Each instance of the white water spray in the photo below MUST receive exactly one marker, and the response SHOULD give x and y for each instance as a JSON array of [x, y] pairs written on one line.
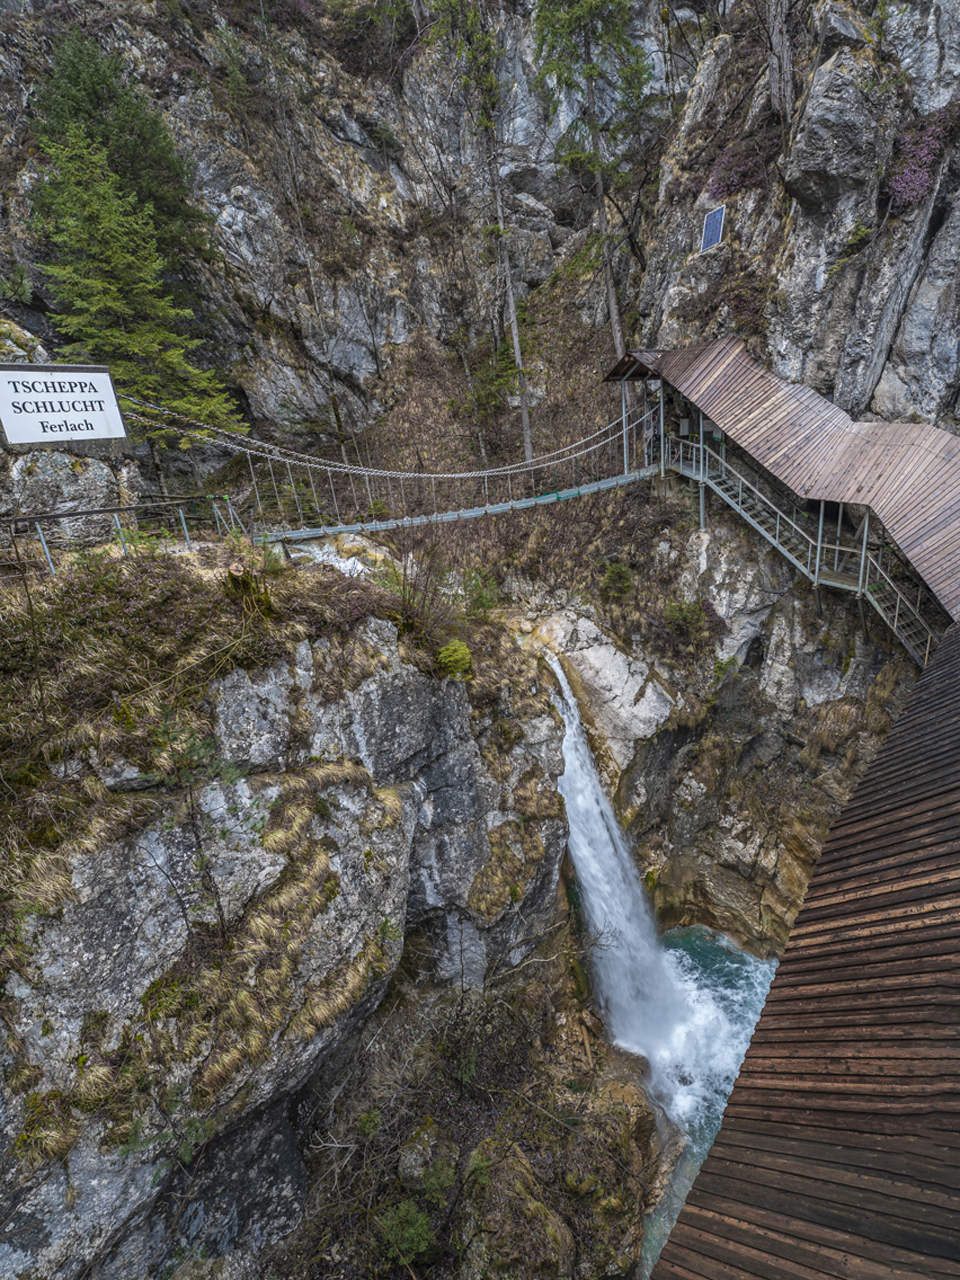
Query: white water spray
[[688, 1007]]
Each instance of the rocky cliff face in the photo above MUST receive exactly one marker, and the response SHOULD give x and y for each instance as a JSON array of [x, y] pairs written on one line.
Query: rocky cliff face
[[727, 770], [350, 196], [839, 222], [204, 968]]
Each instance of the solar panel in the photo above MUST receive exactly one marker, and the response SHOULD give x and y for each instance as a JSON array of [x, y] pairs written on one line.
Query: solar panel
[[712, 228]]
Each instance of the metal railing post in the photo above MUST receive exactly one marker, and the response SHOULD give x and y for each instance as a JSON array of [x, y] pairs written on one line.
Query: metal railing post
[[663, 470], [123, 541], [863, 554], [46, 549], [183, 521]]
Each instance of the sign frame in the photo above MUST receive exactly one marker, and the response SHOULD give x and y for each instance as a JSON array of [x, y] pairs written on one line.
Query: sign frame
[[59, 406]]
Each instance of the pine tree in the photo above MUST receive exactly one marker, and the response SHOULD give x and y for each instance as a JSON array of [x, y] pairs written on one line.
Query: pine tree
[[88, 88], [584, 45], [106, 281]]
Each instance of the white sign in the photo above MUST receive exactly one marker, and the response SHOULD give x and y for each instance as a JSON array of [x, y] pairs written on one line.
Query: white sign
[[58, 403]]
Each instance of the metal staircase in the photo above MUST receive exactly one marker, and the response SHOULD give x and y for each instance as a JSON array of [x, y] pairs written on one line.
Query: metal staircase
[[907, 607]]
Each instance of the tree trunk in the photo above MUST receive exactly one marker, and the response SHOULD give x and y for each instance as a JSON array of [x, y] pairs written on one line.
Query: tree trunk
[[781, 59], [510, 298], [613, 302]]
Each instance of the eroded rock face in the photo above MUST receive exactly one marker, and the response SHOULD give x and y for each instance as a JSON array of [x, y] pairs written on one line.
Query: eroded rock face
[[43, 481], [834, 286], [727, 770], [836, 147], [211, 962]]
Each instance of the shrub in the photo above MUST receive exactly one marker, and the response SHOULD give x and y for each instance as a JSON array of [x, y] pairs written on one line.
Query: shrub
[[741, 291], [917, 157], [617, 581], [454, 660], [684, 616], [406, 1231], [744, 163]]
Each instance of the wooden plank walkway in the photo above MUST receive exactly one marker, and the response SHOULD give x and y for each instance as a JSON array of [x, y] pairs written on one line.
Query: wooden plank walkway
[[839, 1151], [909, 474]]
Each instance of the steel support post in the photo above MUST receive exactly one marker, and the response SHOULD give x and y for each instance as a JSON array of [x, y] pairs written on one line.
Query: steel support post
[[123, 541], [703, 506], [663, 453], [816, 573], [46, 549], [836, 554], [626, 446], [863, 553]]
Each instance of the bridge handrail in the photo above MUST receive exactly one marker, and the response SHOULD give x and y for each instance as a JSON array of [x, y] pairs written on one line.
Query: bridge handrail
[[277, 453], [818, 549], [724, 467]]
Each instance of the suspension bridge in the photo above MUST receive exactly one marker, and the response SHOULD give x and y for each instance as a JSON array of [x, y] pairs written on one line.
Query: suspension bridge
[[768, 449]]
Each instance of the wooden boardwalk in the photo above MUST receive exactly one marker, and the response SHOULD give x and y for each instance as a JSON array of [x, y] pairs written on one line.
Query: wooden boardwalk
[[908, 474], [839, 1152]]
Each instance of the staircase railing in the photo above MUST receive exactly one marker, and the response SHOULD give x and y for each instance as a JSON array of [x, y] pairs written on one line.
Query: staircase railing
[[900, 614], [818, 558]]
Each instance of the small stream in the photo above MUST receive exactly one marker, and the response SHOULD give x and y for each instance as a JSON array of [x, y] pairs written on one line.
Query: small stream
[[687, 1003]]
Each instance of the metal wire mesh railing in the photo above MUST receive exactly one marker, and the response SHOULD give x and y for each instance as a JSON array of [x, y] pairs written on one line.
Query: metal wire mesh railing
[[282, 494], [296, 494]]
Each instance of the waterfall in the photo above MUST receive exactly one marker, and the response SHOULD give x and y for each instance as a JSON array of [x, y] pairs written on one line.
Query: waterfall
[[687, 1004], [644, 1006]]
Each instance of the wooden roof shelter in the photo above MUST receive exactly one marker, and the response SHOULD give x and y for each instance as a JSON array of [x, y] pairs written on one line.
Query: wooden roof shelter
[[908, 474], [839, 1151]]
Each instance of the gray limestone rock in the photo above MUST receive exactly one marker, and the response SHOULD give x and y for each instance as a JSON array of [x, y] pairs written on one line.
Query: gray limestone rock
[[835, 150], [395, 841]]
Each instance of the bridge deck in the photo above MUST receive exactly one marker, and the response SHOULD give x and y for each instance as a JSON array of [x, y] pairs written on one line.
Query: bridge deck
[[839, 1152]]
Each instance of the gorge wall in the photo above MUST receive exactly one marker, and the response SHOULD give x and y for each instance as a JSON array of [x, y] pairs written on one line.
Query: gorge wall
[[350, 200], [202, 968], [205, 971]]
